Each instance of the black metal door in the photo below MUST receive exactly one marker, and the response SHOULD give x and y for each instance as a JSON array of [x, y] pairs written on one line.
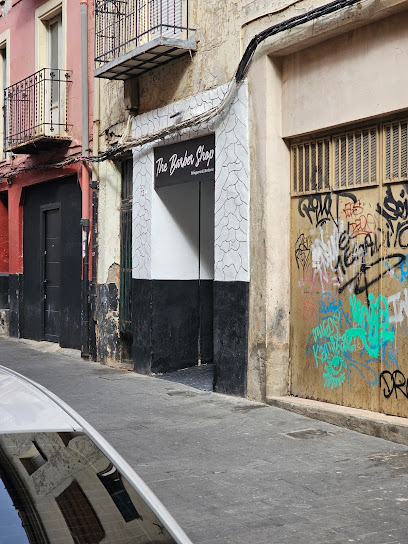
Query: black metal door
[[51, 243]]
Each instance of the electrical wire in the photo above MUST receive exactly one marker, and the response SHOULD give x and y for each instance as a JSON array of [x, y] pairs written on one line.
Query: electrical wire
[[126, 142]]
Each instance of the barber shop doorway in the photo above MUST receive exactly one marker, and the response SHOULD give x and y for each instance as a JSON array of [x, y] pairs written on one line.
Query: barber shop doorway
[[183, 255]]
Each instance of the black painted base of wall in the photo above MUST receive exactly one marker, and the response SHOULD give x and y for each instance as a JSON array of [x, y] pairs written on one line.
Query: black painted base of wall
[[231, 300], [93, 353], [4, 291], [107, 316], [16, 303], [167, 325]]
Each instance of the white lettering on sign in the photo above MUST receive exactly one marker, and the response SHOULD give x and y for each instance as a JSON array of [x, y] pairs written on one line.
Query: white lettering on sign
[[177, 162], [203, 156], [161, 166]]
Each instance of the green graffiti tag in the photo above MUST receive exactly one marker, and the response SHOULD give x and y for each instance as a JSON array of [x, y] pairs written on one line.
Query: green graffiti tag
[[342, 342], [373, 323]]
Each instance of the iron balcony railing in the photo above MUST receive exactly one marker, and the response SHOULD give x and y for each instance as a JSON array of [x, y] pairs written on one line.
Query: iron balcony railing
[[37, 108], [123, 25]]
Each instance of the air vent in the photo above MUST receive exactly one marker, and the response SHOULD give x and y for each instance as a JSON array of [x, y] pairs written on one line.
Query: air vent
[[355, 159], [395, 142], [310, 167]]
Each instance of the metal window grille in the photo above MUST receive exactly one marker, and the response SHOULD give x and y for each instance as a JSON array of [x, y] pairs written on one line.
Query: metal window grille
[[355, 158], [123, 25], [310, 167], [125, 302], [345, 161], [395, 151]]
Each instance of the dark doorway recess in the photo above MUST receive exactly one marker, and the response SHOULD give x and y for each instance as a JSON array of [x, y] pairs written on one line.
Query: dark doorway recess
[[52, 262]]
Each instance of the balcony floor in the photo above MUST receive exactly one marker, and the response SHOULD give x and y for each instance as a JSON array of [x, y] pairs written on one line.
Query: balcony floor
[[146, 57], [38, 144]]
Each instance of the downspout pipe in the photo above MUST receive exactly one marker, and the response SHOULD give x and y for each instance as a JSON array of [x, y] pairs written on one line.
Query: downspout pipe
[[85, 183]]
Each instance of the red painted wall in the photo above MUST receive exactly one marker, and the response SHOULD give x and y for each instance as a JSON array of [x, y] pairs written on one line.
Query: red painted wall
[[20, 20], [4, 237]]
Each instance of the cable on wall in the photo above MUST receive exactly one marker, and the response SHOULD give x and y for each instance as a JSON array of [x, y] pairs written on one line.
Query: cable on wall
[[126, 142]]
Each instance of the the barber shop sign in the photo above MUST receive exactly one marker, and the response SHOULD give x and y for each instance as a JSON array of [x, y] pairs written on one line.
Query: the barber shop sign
[[192, 160]]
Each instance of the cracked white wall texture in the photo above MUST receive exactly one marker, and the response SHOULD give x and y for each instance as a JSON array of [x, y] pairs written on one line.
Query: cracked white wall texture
[[231, 230]]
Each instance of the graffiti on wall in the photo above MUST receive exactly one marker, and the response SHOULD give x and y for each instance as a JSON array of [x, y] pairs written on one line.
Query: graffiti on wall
[[353, 340], [351, 254]]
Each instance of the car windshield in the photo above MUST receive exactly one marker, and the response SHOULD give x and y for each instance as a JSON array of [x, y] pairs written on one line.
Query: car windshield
[[59, 487]]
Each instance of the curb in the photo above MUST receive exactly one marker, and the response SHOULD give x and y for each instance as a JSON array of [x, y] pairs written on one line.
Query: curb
[[391, 428]]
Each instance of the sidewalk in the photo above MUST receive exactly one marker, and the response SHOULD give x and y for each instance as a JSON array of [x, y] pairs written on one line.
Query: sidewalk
[[229, 470]]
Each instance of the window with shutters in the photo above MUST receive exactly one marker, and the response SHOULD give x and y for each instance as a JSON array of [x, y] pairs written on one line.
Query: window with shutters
[[395, 151], [356, 158]]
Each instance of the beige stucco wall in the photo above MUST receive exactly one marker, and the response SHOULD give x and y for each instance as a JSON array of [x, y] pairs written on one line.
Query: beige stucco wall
[[355, 76], [297, 87]]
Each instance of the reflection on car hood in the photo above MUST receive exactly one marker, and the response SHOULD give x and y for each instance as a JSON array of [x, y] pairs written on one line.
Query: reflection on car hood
[[59, 487], [61, 482]]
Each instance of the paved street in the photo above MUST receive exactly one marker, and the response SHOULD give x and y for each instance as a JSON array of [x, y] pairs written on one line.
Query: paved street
[[232, 471]]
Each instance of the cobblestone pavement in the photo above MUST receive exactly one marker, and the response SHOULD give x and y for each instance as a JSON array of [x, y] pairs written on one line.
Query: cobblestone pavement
[[229, 470]]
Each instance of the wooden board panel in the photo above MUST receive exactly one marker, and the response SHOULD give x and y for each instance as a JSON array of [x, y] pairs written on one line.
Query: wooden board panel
[[340, 334], [393, 210]]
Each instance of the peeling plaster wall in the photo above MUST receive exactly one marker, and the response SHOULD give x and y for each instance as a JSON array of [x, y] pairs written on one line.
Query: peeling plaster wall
[[107, 308]]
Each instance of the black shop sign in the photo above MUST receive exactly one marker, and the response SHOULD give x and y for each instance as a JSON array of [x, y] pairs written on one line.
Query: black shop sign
[[192, 160]]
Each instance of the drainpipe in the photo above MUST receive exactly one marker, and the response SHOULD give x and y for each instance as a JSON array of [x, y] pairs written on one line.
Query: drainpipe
[[85, 183]]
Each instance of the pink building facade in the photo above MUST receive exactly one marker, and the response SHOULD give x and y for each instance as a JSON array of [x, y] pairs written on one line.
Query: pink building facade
[[45, 198]]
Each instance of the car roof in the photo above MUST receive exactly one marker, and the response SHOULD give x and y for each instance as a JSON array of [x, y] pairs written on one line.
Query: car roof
[[25, 408]]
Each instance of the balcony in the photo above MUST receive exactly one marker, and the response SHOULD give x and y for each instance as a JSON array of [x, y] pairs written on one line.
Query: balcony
[[134, 36], [36, 112]]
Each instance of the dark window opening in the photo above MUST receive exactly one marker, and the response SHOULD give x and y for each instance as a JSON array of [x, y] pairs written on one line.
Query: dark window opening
[[34, 459], [113, 484], [79, 515]]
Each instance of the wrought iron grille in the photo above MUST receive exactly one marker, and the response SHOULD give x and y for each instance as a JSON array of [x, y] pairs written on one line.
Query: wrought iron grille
[[36, 107], [123, 25], [125, 302]]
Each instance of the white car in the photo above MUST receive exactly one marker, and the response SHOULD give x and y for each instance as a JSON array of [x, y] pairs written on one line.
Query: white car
[[61, 482]]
